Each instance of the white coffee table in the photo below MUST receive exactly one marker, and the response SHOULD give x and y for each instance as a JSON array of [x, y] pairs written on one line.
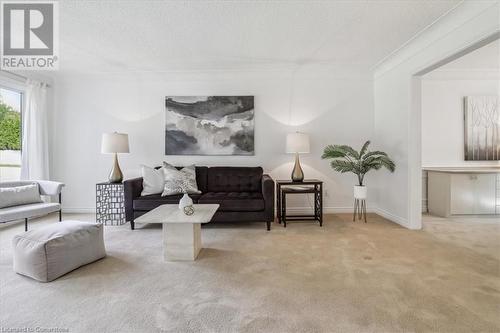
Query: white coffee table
[[181, 232]]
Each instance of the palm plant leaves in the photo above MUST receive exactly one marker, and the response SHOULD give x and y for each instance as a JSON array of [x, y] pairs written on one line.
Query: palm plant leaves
[[343, 166], [364, 148], [346, 159], [334, 151]]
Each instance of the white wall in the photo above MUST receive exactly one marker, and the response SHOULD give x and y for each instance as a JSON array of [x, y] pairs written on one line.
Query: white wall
[[397, 99], [333, 106], [443, 116]]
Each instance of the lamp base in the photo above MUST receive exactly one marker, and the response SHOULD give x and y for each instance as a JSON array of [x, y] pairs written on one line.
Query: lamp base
[[116, 175], [297, 173]]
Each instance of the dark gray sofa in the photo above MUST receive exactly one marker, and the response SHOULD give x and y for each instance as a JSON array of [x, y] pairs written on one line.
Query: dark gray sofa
[[244, 194]]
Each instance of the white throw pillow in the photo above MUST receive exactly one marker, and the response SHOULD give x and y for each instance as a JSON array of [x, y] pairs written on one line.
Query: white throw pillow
[[179, 181], [152, 180], [19, 195]]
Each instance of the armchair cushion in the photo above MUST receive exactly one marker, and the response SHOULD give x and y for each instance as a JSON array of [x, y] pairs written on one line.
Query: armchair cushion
[[19, 195], [46, 187], [28, 211]]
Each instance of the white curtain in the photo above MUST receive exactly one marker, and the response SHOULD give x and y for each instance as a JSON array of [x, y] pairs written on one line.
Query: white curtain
[[35, 149]]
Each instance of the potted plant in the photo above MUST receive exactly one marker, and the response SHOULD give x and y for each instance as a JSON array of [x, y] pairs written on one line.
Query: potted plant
[[346, 159]]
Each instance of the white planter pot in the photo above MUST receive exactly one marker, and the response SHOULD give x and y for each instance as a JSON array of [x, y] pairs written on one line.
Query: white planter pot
[[360, 192], [185, 201]]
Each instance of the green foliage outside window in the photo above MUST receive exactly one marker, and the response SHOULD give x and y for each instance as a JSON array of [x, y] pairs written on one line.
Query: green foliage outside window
[[10, 128]]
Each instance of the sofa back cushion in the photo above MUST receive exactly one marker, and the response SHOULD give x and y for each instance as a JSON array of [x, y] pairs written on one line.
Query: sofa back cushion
[[234, 179], [202, 178], [19, 195]]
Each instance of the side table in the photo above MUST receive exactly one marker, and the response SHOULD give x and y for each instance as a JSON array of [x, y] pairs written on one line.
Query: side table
[[285, 187], [110, 204]]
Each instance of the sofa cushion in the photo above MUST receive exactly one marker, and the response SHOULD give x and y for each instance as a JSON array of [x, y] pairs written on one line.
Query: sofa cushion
[[201, 178], [234, 201], [149, 202], [235, 179], [19, 195]]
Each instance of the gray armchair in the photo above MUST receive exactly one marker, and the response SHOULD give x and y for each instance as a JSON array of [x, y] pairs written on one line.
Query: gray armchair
[[27, 211]]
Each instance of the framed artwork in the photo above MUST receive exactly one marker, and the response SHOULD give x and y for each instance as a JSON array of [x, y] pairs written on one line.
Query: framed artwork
[[209, 125], [482, 128]]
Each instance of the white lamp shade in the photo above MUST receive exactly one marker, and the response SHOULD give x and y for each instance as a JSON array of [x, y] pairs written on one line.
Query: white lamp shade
[[297, 143], [114, 143]]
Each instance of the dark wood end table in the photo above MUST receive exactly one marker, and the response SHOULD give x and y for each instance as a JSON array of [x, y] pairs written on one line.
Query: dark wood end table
[[285, 187]]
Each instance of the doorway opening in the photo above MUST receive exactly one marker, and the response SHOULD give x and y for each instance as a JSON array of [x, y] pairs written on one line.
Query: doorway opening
[[457, 139]]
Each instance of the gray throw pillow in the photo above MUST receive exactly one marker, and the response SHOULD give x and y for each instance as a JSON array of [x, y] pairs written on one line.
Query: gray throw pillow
[[19, 195], [152, 180], [179, 181]]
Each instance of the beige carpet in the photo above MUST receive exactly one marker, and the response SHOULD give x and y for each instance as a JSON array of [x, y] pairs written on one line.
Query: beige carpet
[[344, 277]]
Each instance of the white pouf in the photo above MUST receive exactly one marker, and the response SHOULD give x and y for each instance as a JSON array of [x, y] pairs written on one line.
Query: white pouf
[[52, 251]]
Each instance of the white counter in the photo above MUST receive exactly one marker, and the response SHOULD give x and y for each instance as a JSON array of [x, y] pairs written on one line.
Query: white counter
[[491, 169]]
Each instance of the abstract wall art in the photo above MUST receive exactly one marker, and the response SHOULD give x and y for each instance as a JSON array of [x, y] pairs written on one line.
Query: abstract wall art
[[209, 125], [482, 128]]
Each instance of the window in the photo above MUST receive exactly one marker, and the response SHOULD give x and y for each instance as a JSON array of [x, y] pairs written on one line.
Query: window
[[10, 134]]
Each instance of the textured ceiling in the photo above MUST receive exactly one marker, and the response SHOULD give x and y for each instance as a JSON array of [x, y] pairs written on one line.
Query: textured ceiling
[[224, 35]]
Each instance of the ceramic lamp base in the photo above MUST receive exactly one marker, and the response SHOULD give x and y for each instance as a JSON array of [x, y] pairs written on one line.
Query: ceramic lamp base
[[116, 175], [297, 173]]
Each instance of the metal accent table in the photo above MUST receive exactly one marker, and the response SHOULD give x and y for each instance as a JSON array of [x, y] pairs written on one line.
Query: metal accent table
[[285, 187], [110, 204]]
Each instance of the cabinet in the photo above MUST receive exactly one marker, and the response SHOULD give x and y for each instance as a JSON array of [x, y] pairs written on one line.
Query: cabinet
[[473, 194], [455, 193]]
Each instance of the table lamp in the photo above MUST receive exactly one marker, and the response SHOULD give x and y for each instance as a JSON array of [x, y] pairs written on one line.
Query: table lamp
[[297, 143], [115, 143]]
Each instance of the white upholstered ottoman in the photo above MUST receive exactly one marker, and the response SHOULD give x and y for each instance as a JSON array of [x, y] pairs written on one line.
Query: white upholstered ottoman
[[47, 253]]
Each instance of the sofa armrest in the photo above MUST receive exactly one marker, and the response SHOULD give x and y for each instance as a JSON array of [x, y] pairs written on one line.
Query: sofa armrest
[[132, 189], [48, 187], [268, 194]]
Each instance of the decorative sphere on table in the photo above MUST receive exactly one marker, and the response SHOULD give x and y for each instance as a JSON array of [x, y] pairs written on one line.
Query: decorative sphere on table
[[189, 210]]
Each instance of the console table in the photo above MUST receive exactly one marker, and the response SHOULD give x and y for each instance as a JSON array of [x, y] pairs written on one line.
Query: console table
[[285, 187]]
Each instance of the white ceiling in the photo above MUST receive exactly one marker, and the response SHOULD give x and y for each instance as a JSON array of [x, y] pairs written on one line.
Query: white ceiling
[[102, 36]]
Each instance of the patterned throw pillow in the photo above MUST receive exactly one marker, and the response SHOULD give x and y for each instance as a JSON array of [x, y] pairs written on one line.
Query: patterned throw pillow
[[179, 181]]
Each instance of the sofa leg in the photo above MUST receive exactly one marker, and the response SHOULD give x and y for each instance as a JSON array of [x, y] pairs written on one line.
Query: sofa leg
[[132, 225], [25, 224], [268, 225]]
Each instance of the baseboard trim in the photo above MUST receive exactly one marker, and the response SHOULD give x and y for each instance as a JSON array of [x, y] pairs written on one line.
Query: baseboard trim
[[392, 217], [78, 210], [327, 210], [296, 210]]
